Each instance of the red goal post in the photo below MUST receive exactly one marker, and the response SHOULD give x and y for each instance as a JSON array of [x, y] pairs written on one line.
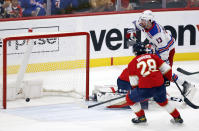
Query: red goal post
[[37, 36]]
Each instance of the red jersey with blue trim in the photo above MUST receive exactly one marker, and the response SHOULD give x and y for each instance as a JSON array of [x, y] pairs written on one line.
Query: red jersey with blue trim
[[124, 75], [147, 70]]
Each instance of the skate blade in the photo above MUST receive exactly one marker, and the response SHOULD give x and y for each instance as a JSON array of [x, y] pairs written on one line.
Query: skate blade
[[175, 123], [141, 124]]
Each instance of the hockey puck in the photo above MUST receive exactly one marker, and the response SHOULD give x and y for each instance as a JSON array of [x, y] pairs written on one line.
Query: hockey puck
[[27, 99]]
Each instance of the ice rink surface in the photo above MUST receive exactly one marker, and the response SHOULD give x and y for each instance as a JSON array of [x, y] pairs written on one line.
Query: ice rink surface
[[65, 114]]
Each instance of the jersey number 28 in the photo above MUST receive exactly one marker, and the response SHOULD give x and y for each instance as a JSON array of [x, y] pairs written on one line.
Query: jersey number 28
[[147, 67]]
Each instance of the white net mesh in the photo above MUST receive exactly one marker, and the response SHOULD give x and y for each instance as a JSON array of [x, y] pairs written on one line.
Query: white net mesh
[[57, 63]]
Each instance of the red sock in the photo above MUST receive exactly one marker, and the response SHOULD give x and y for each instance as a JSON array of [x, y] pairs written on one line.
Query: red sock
[[175, 113], [140, 113]]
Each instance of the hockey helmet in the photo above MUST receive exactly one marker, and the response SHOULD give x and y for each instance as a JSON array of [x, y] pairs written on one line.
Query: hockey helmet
[[139, 49], [147, 15]]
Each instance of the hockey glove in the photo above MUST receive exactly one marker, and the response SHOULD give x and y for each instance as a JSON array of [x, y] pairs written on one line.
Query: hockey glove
[[131, 35]]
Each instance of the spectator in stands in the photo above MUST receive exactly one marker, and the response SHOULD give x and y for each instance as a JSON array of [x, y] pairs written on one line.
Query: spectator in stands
[[150, 4], [194, 3], [2, 8], [13, 9], [176, 4], [64, 6], [146, 1], [84, 6], [123, 4], [33, 7], [102, 5], [3, 4], [135, 3]]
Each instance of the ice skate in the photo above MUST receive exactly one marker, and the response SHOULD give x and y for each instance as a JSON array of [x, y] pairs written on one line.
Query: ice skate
[[141, 119], [177, 120]]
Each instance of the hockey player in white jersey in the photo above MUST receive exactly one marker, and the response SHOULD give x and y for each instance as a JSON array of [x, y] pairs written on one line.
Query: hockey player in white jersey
[[161, 41]]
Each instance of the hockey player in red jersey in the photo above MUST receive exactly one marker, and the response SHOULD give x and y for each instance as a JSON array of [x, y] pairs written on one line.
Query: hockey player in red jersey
[[161, 41], [123, 86], [146, 73]]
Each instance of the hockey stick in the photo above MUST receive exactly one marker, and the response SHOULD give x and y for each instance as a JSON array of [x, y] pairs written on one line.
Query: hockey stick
[[187, 101], [186, 72], [103, 102], [24, 64]]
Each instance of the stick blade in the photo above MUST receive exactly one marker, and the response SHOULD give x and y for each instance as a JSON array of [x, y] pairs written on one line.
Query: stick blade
[[186, 72], [188, 102], [183, 71]]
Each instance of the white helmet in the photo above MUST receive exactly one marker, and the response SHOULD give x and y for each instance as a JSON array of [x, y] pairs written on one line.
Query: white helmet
[[147, 15]]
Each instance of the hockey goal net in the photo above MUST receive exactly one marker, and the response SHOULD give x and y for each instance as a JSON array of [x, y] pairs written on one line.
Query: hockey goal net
[[35, 63]]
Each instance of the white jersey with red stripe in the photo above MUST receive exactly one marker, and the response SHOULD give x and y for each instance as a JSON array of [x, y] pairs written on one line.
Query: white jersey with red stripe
[[159, 37]]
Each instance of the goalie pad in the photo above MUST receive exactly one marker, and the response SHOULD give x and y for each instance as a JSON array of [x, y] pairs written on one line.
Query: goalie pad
[[107, 92], [104, 96], [105, 88]]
